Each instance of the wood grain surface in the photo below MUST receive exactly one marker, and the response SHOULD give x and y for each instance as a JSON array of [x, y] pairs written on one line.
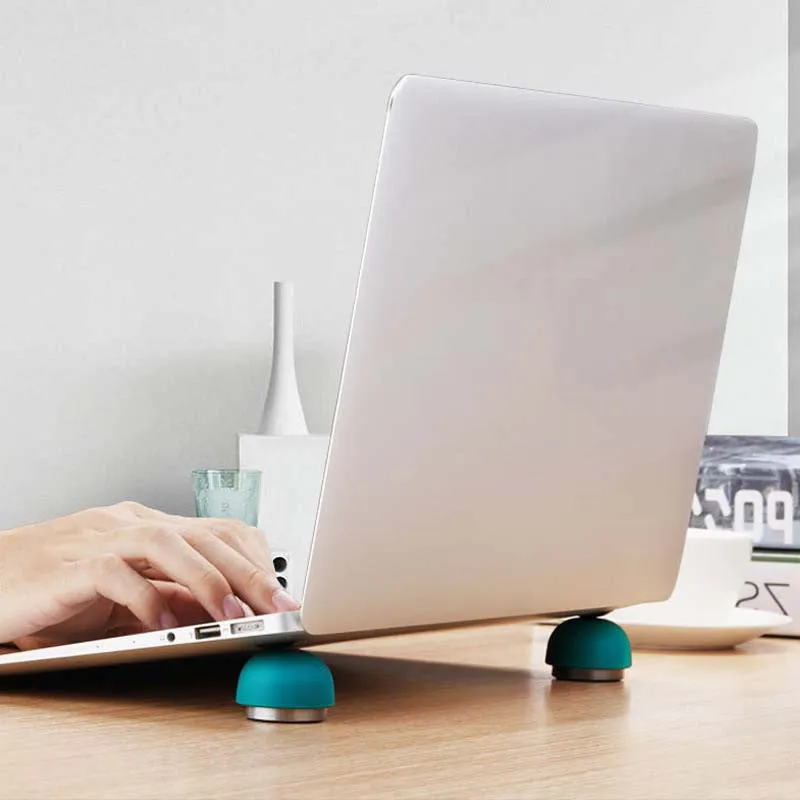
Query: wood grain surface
[[456, 714]]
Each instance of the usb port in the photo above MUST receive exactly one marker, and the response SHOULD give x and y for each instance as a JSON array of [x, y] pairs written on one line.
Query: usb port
[[247, 626], [207, 632]]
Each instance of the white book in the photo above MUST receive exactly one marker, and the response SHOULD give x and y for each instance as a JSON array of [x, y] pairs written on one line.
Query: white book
[[773, 584]]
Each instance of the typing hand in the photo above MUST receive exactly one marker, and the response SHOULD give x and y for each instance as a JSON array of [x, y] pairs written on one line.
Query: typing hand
[[128, 568]]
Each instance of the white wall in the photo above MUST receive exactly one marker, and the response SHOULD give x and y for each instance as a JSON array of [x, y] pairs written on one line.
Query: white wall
[[162, 162]]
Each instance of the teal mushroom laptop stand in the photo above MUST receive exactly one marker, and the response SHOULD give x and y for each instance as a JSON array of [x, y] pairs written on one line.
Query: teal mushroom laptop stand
[[285, 686], [297, 686], [588, 649]]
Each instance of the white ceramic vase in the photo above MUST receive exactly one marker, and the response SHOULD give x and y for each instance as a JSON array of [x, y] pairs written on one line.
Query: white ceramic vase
[[283, 410]]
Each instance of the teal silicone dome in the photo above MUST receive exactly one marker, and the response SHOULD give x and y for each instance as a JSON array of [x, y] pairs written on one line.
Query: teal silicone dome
[[290, 679], [589, 643]]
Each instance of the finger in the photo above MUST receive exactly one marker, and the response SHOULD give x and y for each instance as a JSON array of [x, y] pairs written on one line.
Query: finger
[[162, 548], [162, 580], [159, 577], [36, 642], [110, 577], [255, 583], [239, 530], [182, 603], [250, 542], [49, 608], [153, 574]]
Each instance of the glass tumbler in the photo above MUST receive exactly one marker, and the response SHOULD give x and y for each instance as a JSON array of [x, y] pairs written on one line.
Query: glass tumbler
[[227, 493]]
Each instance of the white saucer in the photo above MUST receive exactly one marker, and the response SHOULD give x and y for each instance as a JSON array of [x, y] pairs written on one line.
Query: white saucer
[[660, 626]]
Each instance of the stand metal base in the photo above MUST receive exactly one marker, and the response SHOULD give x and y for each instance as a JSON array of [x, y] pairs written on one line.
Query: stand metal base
[[588, 675], [260, 714]]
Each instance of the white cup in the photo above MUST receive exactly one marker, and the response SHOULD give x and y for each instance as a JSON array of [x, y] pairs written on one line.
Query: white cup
[[712, 573]]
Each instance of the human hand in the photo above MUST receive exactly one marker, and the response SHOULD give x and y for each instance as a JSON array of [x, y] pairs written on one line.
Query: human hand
[[128, 568]]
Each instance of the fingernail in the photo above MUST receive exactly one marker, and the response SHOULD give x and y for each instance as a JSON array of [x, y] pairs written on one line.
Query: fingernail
[[166, 619], [232, 608], [283, 601], [248, 612]]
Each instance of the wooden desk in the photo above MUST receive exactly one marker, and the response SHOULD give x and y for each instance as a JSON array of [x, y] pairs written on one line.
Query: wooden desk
[[453, 715]]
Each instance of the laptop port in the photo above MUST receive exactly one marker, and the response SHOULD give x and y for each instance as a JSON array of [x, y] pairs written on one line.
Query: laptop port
[[207, 632], [247, 626]]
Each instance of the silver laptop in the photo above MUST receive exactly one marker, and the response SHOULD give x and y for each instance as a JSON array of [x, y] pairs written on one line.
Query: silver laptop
[[529, 374]]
